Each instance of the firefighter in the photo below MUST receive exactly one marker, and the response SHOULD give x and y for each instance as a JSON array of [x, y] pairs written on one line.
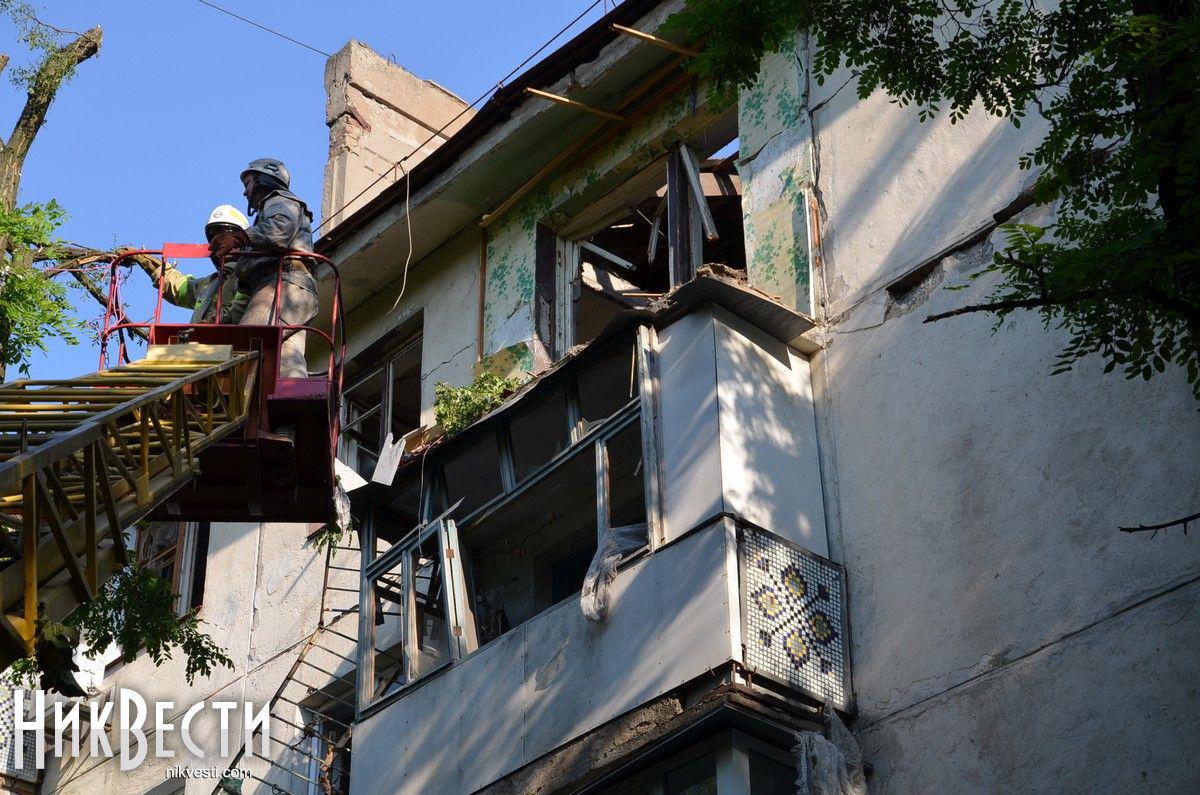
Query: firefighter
[[199, 294], [282, 223]]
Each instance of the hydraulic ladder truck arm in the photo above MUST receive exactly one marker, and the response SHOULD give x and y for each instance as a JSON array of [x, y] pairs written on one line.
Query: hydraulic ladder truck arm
[[174, 435]]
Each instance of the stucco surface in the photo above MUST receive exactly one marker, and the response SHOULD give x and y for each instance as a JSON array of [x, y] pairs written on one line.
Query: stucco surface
[[1111, 709], [979, 497]]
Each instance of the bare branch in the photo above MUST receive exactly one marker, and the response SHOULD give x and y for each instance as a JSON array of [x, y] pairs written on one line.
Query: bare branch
[[71, 259], [96, 291], [1153, 529], [3, 61], [42, 89]]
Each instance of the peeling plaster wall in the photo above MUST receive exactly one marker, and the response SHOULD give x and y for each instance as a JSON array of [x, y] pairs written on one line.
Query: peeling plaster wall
[[1005, 635], [257, 574], [508, 317], [774, 166]]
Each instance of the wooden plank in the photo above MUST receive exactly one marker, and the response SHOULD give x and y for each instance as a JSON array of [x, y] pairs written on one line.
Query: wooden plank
[[192, 352], [692, 169], [574, 103], [657, 41]]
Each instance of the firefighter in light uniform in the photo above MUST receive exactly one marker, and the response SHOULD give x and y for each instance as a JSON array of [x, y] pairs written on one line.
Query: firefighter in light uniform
[[282, 222], [199, 293]]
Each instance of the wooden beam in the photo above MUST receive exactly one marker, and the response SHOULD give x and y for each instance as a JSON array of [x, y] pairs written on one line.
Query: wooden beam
[[620, 262], [657, 41], [586, 139], [574, 103]]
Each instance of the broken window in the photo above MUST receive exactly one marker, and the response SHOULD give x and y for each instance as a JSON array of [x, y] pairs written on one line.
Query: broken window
[[653, 233], [607, 384], [382, 403], [519, 555], [539, 431], [531, 493], [472, 473], [177, 552], [325, 738], [412, 624], [626, 501]]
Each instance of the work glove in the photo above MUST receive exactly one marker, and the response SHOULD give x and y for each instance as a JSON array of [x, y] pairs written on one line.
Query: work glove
[[222, 245]]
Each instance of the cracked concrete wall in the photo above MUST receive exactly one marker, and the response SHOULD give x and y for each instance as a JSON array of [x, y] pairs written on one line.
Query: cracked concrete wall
[[256, 575], [1005, 635], [377, 113]]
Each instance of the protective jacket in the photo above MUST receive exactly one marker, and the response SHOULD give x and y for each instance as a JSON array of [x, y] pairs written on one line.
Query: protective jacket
[[199, 294], [283, 223]]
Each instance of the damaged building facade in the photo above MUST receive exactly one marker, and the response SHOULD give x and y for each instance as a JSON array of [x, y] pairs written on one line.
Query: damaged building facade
[[741, 493]]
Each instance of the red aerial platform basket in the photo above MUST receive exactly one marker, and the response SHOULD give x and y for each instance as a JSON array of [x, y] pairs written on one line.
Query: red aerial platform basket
[[250, 477]]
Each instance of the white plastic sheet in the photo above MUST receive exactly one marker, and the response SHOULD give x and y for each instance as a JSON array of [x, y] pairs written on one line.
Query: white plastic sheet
[[829, 765], [611, 546]]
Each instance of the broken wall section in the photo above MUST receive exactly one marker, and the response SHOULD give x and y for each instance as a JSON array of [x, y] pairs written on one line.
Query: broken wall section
[[377, 113], [774, 162]]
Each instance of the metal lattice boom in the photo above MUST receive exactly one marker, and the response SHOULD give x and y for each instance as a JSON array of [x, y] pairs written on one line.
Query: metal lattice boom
[[83, 459]]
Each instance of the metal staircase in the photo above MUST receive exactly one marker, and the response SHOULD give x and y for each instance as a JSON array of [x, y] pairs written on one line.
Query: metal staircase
[[81, 459], [312, 710]]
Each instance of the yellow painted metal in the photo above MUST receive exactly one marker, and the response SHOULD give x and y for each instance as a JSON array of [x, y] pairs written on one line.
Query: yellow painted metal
[[83, 459]]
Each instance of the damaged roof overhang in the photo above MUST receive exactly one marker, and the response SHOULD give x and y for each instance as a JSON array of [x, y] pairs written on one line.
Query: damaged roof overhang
[[710, 287], [511, 137]]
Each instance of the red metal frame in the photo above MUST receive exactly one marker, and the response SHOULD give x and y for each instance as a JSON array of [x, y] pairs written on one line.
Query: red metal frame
[[117, 323]]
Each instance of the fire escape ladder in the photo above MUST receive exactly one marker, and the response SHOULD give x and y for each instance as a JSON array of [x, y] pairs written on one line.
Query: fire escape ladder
[[316, 686]]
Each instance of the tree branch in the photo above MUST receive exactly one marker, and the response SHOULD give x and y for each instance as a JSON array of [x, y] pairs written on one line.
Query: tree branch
[[1019, 303], [42, 89], [69, 259], [1154, 528]]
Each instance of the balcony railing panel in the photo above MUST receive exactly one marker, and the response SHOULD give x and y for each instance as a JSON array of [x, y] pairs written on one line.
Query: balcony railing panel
[[794, 617]]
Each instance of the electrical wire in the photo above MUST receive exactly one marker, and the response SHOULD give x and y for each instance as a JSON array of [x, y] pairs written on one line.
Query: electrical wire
[[272, 31], [461, 113], [408, 259]]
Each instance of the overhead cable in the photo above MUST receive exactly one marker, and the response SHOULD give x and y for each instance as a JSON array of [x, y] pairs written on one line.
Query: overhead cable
[[272, 31]]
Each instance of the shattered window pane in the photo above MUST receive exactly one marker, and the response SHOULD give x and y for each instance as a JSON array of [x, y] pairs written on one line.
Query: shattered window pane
[[401, 513], [606, 384], [626, 478], [473, 474], [361, 417], [539, 432], [431, 645], [388, 647], [531, 552]]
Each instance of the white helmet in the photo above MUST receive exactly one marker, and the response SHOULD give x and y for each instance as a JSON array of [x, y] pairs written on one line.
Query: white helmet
[[229, 215]]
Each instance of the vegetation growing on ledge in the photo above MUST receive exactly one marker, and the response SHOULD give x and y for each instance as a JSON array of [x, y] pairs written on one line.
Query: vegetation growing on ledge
[[456, 407]]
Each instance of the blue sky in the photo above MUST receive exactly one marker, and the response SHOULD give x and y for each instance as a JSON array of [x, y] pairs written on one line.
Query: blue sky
[[150, 135]]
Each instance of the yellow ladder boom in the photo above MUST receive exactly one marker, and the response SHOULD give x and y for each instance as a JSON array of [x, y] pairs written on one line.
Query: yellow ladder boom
[[82, 459]]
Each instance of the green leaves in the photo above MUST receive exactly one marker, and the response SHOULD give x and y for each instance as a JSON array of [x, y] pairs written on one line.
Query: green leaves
[[1119, 268], [136, 610], [457, 407], [33, 307]]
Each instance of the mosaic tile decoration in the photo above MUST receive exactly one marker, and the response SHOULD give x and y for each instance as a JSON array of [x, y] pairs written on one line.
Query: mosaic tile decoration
[[8, 762], [793, 605]]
